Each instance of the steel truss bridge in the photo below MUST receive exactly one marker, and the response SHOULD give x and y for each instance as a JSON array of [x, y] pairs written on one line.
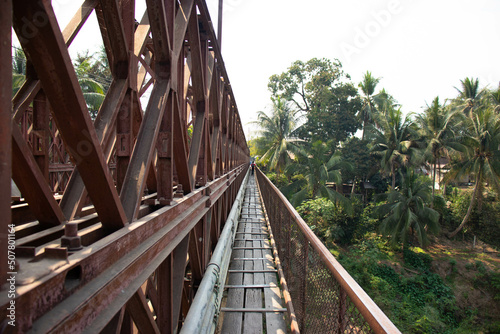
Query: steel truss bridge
[[138, 237]]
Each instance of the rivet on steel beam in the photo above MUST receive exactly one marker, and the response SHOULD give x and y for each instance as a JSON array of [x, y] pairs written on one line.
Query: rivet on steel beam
[[71, 239], [179, 193]]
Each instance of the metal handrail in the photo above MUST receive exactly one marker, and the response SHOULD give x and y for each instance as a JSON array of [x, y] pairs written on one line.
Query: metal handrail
[[204, 311], [279, 209]]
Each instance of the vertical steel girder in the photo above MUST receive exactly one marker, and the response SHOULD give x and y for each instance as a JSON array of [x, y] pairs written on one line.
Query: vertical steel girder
[[5, 132], [125, 242]]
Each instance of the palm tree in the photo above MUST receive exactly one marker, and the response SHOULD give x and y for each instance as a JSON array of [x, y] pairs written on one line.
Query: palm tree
[[406, 212], [313, 169], [479, 156], [367, 112], [277, 133], [394, 141], [93, 93], [92, 80], [436, 128], [495, 100], [469, 96], [18, 70]]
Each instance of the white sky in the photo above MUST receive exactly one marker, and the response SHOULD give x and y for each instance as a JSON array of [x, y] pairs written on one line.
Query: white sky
[[420, 48]]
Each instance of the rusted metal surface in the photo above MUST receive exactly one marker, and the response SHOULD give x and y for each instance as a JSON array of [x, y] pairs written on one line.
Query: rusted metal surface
[[325, 297], [5, 133], [147, 199]]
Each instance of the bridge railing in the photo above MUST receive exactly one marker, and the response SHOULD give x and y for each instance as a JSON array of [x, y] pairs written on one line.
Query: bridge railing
[[325, 298]]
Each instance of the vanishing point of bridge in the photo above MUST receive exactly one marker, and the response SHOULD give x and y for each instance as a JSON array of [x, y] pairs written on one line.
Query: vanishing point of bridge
[[146, 219]]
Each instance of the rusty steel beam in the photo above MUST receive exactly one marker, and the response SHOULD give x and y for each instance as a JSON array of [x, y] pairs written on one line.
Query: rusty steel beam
[[136, 268], [219, 24], [105, 118], [32, 183], [113, 269], [78, 20], [5, 133], [133, 185], [59, 81]]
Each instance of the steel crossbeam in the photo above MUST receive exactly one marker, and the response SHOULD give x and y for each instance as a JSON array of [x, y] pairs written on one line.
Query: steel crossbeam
[[118, 215]]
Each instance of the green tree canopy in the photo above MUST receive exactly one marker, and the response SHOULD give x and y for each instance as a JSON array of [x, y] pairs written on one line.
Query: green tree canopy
[[469, 96], [321, 89], [18, 70], [395, 142], [356, 152], [276, 131], [437, 132], [479, 155], [94, 78], [368, 112], [406, 212], [315, 166]]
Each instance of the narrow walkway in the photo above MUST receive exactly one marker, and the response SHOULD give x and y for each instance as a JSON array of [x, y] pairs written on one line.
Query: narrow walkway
[[253, 301]]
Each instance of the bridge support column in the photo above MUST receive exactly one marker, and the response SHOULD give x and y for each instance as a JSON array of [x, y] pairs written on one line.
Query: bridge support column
[[5, 131]]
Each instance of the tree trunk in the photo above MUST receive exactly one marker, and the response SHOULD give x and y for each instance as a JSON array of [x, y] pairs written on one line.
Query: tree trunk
[[434, 180], [393, 177], [433, 184], [353, 186], [469, 211], [364, 127]]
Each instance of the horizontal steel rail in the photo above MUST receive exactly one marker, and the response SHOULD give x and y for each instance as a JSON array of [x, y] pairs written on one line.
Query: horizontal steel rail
[[325, 297], [203, 313]]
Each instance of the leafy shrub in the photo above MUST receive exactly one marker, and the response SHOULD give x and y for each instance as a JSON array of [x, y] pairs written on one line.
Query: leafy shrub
[[483, 223], [277, 181], [495, 283], [419, 303], [330, 222], [419, 261]]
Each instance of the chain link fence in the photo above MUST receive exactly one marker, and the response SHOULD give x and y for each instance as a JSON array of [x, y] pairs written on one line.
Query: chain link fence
[[325, 298]]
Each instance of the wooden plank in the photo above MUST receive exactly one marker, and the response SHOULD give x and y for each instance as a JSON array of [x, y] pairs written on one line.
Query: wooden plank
[[254, 271], [253, 296], [275, 323], [253, 310], [235, 297]]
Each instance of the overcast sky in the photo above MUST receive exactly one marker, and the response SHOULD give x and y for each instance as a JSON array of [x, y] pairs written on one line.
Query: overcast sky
[[420, 48]]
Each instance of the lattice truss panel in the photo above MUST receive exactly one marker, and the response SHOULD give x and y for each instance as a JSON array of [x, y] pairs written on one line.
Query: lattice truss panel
[[124, 242]]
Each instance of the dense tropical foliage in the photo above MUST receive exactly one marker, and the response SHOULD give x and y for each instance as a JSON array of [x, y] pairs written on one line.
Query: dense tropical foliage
[[92, 71], [368, 175]]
